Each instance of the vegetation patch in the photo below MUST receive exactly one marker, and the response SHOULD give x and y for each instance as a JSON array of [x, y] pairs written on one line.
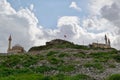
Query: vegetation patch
[[82, 77], [114, 77], [24, 77], [66, 68], [81, 55], [9, 71], [117, 58], [30, 61], [54, 60], [63, 55], [81, 47], [112, 65], [51, 53], [43, 77], [94, 65], [103, 56], [42, 69]]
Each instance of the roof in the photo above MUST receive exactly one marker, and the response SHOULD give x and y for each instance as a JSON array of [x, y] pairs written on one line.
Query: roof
[[17, 47]]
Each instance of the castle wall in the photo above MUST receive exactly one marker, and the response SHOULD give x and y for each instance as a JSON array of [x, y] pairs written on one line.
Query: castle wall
[[98, 45]]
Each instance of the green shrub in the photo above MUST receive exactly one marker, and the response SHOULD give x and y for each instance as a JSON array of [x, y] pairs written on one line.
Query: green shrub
[[101, 59], [112, 66], [54, 60], [51, 53], [117, 58], [82, 55], [114, 77], [63, 55], [80, 47], [11, 61], [81, 77], [94, 65], [24, 77], [66, 68], [6, 72], [102, 56], [47, 78], [30, 60], [42, 69], [59, 77], [9, 71]]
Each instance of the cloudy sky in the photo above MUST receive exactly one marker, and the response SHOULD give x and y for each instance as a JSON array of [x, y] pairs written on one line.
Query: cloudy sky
[[33, 22]]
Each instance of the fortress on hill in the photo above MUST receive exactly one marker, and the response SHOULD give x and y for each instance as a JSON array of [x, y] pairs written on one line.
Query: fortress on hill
[[105, 45], [20, 49]]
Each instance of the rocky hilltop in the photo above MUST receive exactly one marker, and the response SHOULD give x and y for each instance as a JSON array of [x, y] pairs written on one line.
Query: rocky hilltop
[[61, 60], [63, 45]]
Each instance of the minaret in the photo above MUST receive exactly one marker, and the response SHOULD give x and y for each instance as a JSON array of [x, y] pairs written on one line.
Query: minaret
[[106, 42], [9, 44], [109, 43]]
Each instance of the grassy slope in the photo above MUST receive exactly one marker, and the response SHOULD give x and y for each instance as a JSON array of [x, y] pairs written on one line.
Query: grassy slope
[[53, 64], [68, 62], [42, 77]]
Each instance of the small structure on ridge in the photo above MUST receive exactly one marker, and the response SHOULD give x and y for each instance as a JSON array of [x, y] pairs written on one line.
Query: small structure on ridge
[[15, 49], [102, 45]]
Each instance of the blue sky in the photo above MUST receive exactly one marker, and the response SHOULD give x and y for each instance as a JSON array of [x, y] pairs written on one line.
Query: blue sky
[[49, 11]]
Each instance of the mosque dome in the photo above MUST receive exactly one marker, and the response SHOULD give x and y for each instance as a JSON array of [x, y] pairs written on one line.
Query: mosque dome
[[17, 47]]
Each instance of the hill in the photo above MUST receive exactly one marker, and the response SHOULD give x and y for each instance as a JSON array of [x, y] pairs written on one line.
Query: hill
[[61, 60], [58, 44]]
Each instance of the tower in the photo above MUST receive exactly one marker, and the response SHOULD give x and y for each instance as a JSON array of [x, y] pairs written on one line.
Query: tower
[[109, 43], [9, 43], [106, 42]]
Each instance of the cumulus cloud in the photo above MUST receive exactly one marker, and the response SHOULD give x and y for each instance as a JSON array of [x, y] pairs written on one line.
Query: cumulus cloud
[[24, 28], [96, 5], [5, 7], [109, 10], [18, 24], [97, 25], [67, 25], [112, 14], [74, 6], [70, 26]]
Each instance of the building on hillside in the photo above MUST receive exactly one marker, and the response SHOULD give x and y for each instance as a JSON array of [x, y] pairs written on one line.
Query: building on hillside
[[102, 45], [15, 49]]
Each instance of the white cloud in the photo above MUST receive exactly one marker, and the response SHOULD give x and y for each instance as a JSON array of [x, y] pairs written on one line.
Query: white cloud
[[97, 25], [5, 8], [31, 7], [74, 6], [112, 14], [70, 26], [18, 24], [96, 5], [109, 10]]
